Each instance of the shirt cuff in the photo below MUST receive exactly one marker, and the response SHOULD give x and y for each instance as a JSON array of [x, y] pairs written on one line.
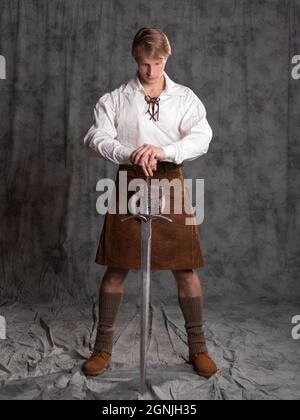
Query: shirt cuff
[[170, 152], [122, 154]]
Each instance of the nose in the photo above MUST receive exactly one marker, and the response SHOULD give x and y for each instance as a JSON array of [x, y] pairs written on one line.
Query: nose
[[149, 71]]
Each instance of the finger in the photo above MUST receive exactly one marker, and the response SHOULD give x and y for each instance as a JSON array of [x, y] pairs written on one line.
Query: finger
[[149, 160], [135, 153], [140, 158], [146, 170], [150, 170], [153, 154], [143, 161], [152, 159], [152, 165], [138, 149], [142, 152], [147, 157]]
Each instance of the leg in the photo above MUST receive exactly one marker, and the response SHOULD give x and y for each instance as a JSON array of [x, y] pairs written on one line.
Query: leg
[[113, 280], [191, 303], [110, 296], [188, 283]]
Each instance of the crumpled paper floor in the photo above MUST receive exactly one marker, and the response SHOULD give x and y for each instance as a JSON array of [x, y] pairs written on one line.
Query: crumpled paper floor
[[250, 341]]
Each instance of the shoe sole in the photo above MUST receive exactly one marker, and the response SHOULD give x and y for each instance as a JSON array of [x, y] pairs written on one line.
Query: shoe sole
[[205, 375], [94, 373]]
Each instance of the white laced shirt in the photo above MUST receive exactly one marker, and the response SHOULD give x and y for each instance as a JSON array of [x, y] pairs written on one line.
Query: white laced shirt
[[124, 120]]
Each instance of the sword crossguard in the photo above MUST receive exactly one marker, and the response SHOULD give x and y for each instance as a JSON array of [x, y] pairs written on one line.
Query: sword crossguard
[[147, 217]]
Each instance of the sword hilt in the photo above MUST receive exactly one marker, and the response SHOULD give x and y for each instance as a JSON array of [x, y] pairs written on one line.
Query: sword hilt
[[147, 218]]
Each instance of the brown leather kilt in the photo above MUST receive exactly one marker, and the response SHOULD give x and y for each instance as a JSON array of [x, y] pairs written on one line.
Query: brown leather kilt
[[175, 246]]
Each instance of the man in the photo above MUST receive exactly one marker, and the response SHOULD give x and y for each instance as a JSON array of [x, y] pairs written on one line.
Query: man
[[149, 126]]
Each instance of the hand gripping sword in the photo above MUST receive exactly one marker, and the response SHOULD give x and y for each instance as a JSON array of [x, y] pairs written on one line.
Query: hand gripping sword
[[150, 212]]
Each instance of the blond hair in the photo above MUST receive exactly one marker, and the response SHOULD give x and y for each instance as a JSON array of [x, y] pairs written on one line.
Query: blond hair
[[151, 40]]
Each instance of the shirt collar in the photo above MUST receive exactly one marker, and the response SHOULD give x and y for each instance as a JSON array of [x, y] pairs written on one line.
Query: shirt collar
[[172, 88]]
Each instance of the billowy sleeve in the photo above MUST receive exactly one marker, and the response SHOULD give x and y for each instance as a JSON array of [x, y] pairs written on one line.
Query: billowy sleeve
[[196, 132], [101, 138]]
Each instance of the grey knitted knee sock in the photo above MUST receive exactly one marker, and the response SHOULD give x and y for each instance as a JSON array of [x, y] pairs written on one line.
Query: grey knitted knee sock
[[192, 312], [109, 304]]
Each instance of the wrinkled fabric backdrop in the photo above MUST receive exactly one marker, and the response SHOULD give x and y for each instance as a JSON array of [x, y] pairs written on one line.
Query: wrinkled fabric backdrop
[[61, 56]]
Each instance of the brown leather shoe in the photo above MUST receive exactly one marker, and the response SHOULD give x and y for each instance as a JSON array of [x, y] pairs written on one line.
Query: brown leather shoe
[[203, 364], [97, 363]]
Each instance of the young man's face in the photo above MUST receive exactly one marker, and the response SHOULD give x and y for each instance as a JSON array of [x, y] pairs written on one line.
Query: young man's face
[[150, 68]]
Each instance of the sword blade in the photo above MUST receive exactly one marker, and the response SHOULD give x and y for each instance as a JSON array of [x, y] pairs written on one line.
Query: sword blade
[[145, 301], [146, 232]]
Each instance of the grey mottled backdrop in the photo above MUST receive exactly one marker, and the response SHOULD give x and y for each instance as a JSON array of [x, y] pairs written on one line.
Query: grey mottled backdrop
[[62, 56]]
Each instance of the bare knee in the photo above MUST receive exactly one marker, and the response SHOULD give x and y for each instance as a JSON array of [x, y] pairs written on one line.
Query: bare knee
[[115, 275], [188, 283], [184, 276]]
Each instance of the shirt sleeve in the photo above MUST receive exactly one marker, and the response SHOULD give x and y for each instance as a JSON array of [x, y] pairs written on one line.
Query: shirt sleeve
[[101, 138], [196, 132]]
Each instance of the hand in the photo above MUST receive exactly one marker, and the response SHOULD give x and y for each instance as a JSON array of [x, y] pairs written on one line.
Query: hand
[[146, 160], [147, 157], [147, 151], [148, 169], [148, 163]]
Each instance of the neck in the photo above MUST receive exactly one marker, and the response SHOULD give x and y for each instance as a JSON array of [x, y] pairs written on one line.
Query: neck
[[160, 85]]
